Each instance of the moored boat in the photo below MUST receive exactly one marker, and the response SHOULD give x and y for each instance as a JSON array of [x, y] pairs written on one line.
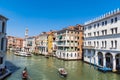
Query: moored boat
[[47, 57], [104, 69], [17, 53], [62, 72]]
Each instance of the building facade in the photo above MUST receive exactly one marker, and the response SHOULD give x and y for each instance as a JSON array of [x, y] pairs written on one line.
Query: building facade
[[51, 42], [30, 44], [3, 41], [43, 43], [102, 40], [14, 43], [67, 43]]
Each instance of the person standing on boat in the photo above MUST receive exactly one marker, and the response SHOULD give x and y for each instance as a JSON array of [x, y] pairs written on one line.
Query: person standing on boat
[[24, 73]]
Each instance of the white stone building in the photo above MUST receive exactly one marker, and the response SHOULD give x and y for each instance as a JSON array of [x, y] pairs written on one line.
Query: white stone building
[[30, 41], [3, 41], [43, 43], [67, 44], [102, 40]]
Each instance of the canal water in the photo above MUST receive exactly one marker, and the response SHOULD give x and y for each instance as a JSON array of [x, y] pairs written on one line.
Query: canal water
[[41, 68]]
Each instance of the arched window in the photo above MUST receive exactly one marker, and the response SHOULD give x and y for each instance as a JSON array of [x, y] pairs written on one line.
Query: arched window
[[111, 44], [115, 43], [78, 54], [105, 44], [75, 54], [3, 27], [63, 54], [2, 43], [67, 54], [71, 54]]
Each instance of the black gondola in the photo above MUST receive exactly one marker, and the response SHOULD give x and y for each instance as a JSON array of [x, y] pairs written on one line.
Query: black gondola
[[25, 74]]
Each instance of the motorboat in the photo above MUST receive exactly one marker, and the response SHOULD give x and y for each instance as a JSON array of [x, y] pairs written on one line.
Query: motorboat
[[17, 53], [25, 54], [62, 72]]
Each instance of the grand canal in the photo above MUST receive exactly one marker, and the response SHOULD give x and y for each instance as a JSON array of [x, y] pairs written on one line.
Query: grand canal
[[40, 68]]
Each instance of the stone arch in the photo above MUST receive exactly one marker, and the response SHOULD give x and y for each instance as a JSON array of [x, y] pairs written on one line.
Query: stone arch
[[109, 60], [100, 58], [117, 57]]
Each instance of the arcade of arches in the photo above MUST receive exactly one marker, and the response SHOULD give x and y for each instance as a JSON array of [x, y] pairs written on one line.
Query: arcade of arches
[[109, 60]]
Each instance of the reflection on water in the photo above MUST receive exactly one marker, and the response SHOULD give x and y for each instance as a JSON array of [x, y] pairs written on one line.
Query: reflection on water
[[40, 68]]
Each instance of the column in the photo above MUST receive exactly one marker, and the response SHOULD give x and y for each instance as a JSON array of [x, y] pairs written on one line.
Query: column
[[114, 63], [45, 51], [96, 58], [104, 60]]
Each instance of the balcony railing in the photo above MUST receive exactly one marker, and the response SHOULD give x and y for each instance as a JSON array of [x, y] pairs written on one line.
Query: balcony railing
[[88, 47]]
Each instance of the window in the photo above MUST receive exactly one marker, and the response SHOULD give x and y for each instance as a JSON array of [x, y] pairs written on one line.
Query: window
[[111, 21], [102, 44], [105, 32], [3, 27], [75, 54], [63, 54], [89, 27], [115, 30], [98, 25], [94, 44], [115, 43], [105, 22], [89, 34], [102, 23], [67, 54], [71, 54], [112, 31], [98, 33], [94, 25], [1, 60], [84, 43], [85, 35], [97, 44], [111, 44], [102, 32], [105, 44], [2, 43], [94, 33], [89, 43], [115, 19]]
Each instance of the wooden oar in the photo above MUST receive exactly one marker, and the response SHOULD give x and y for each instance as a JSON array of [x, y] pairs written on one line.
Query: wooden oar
[[29, 77]]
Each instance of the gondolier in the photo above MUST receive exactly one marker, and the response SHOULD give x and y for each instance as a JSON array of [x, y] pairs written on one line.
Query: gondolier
[[24, 74]]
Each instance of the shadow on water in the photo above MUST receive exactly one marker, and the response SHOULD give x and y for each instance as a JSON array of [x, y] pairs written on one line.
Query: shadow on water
[[11, 66]]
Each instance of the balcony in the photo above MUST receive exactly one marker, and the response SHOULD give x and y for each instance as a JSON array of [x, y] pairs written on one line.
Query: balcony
[[89, 47]]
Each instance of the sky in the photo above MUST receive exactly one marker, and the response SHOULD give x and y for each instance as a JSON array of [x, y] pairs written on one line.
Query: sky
[[45, 15]]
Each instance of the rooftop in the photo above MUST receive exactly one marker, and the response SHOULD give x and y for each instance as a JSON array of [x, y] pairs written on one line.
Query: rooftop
[[1, 16], [106, 15]]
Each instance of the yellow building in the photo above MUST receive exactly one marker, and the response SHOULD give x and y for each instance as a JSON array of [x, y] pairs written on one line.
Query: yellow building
[[51, 40]]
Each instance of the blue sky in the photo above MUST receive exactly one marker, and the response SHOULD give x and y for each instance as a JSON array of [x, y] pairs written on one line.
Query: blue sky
[[46, 15]]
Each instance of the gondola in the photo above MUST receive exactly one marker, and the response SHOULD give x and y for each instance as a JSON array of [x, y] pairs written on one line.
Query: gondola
[[25, 74], [62, 72]]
